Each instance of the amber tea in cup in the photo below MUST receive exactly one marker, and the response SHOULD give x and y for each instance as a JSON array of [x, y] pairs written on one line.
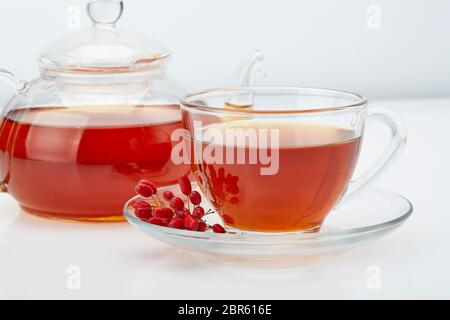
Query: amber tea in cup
[[283, 163], [315, 165]]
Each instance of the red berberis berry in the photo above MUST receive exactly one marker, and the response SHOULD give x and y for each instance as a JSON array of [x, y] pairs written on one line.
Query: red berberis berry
[[167, 195], [190, 223], [143, 213], [202, 226], [177, 203], [185, 185], [144, 190], [136, 204], [163, 213], [158, 221], [177, 223], [198, 212], [228, 219], [195, 197], [179, 214], [150, 184], [217, 228]]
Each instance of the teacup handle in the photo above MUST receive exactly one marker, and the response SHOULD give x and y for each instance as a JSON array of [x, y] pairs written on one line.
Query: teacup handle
[[392, 151]]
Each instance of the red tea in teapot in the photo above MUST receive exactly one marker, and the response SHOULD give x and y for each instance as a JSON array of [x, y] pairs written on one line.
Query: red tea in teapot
[[83, 162]]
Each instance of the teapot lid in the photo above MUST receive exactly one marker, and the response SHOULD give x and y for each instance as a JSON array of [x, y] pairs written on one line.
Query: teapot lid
[[103, 48]]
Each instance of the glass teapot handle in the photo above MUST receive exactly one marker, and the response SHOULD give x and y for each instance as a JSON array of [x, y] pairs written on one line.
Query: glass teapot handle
[[20, 86]]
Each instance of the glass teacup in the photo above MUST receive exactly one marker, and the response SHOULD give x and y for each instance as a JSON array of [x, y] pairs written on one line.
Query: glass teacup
[[279, 159]]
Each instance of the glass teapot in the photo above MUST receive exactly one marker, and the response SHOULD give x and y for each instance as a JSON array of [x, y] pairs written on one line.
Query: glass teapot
[[74, 142]]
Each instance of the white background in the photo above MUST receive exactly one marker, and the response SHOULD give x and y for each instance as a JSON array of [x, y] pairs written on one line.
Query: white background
[[404, 65], [324, 43]]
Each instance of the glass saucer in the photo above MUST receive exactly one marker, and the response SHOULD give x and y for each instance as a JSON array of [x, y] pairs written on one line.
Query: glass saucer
[[367, 216]]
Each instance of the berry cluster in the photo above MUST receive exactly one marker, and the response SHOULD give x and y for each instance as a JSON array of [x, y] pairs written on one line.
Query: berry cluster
[[171, 211]]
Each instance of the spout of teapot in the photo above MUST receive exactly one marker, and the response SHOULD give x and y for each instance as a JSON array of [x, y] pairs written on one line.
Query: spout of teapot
[[248, 71], [245, 76]]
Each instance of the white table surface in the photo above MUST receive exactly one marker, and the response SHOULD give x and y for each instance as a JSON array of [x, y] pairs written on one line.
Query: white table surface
[[116, 261]]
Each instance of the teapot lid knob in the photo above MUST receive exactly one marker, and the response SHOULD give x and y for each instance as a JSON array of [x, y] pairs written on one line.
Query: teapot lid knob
[[105, 12]]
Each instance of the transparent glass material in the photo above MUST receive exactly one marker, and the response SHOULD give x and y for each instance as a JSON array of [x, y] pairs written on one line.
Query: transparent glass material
[[371, 214], [104, 48], [74, 141], [318, 137]]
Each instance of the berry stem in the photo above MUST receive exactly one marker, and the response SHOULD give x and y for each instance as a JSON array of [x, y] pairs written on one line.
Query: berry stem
[[160, 201], [154, 200]]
